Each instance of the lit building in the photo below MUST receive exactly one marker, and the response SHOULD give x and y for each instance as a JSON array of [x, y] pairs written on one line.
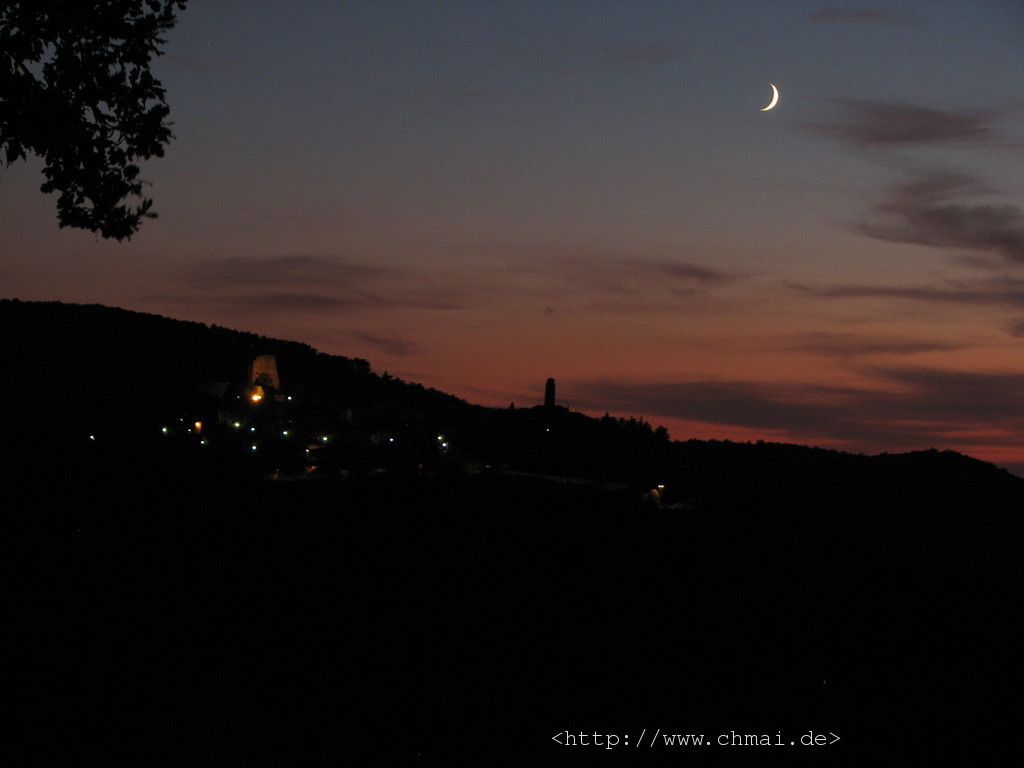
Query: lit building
[[263, 380], [263, 372]]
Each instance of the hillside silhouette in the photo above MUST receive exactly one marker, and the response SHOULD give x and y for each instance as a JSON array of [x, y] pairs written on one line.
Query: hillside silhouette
[[81, 370], [416, 605]]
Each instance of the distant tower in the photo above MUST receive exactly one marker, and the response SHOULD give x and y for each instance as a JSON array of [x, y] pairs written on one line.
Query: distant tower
[[549, 394], [263, 372]]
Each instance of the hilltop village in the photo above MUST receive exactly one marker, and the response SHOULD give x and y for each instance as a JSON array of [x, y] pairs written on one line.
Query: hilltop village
[[294, 435], [302, 435], [113, 387]]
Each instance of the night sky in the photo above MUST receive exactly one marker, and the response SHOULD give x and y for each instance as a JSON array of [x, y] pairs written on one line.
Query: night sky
[[479, 195]]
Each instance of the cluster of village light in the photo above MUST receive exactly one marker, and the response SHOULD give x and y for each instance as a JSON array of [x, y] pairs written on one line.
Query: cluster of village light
[[197, 428], [256, 397]]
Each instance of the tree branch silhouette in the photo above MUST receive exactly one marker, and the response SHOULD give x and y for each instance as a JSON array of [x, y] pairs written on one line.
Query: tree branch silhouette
[[76, 90]]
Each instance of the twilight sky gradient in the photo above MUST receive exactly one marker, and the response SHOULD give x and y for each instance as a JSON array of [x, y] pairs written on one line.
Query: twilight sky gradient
[[479, 195]]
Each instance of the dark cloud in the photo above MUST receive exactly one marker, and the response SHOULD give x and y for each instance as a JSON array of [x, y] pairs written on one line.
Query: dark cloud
[[392, 346], [691, 272], [909, 407], [931, 210], [612, 283], [600, 282], [758, 406], [282, 301], [975, 261], [875, 123], [239, 271], [850, 345], [980, 399], [627, 275], [684, 293], [317, 283], [1001, 292], [833, 15]]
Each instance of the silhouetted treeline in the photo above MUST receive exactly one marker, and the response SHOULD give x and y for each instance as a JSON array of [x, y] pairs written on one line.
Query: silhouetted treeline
[[76, 369]]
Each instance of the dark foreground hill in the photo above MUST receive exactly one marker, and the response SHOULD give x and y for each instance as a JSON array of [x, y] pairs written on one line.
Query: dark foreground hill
[[170, 610], [468, 620]]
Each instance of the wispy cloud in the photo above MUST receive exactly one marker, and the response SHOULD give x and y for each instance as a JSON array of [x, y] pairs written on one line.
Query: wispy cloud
[[848, 346], [282, 301], [617, 284], [909, 407], [931, 210], [998, 291], [239, 271], [768, 407], [866, 123], [1002, 291], [598, 282], [625, 274], [873, 15], [392, 346], [317, 283]]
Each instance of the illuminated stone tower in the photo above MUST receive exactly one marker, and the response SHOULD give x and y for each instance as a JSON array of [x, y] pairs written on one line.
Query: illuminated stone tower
[[263, 380], [549, 394], [263, 372]]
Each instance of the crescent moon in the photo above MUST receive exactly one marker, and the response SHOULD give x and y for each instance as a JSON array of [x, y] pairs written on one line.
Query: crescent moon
[[775, 97]]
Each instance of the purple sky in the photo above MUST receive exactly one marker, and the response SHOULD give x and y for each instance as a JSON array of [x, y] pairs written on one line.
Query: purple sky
[[477, 196]]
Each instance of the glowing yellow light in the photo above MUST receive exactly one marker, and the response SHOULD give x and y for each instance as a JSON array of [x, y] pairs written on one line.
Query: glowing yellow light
[[257, 398], [199, 426]]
